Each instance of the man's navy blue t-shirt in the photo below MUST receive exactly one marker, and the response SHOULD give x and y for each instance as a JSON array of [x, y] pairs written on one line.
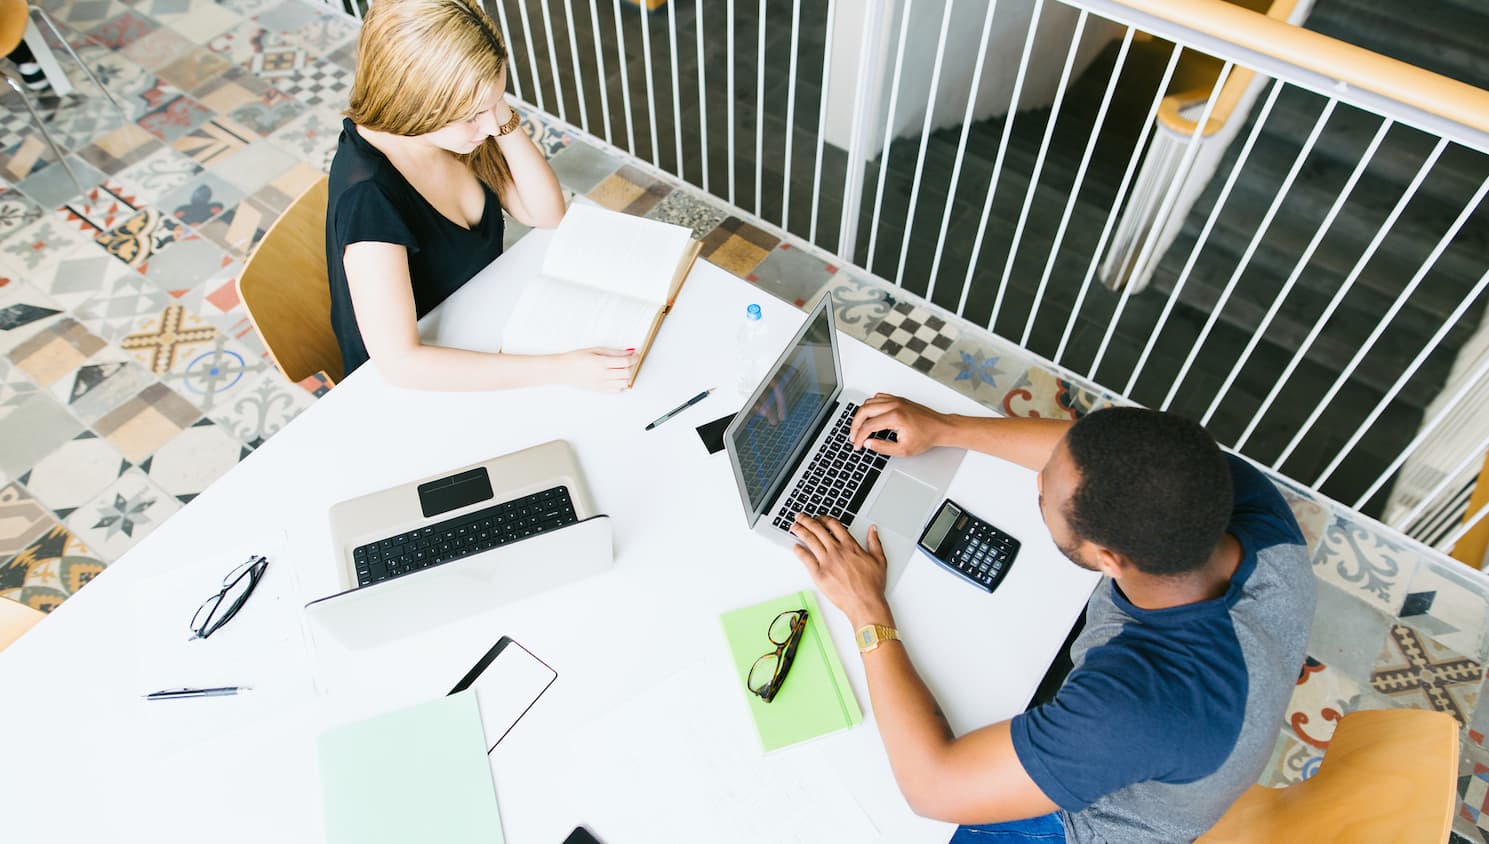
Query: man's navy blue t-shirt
[[1169, 715]]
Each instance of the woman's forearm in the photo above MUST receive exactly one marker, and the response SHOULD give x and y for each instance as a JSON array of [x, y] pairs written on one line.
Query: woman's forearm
[[534, 198]]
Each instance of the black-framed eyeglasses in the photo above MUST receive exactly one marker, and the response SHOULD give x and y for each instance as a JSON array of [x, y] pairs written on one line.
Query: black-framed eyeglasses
[[769, 671], [236, 587]]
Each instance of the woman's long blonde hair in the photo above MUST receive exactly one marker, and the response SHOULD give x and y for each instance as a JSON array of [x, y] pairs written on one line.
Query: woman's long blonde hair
[[424, 64]]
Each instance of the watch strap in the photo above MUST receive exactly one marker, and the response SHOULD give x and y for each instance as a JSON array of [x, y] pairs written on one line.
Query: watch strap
[[871, 636], [511, 125]]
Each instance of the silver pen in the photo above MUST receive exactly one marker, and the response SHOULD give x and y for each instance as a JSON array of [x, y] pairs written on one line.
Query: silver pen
[[175, 694], [680, 408]]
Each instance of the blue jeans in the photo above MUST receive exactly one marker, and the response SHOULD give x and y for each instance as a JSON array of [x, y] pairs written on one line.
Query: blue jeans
[[1045, 829]]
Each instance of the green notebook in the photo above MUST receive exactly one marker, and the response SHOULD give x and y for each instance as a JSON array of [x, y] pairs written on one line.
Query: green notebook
[[436, 754], [815, 698]]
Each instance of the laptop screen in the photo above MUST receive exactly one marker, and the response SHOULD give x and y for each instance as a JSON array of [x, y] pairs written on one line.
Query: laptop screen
[[777, 425]]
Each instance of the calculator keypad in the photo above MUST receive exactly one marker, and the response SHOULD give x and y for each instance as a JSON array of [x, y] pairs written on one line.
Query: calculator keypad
[[984, 553]]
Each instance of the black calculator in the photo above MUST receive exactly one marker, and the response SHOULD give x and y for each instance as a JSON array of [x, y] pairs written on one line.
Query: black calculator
[[971, 548]]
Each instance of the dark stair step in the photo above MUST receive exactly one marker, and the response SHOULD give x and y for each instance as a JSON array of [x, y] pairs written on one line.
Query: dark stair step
[[1443, 37], [1346, 136], [1350, 325], [1381, 280], [1425, 219]]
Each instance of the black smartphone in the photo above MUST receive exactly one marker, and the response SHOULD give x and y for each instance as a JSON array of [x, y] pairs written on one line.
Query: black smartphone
[[580, 835], [712, 433], [508, 680]]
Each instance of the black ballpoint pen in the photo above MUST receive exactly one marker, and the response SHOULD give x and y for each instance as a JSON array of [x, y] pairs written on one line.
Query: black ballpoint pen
[[174, 694], [680, 408]]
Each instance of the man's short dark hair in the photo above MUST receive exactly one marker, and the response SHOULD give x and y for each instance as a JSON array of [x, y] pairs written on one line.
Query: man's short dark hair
[[1154, 487]]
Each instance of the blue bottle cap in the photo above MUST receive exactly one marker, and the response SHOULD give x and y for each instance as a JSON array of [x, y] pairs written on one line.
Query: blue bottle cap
[[752, 312]]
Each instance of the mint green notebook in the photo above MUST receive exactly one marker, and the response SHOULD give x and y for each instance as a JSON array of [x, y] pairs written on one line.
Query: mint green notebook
[[435, 753], [815, 698]]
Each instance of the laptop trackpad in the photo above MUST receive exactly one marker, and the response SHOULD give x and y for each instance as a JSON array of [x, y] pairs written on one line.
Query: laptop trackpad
[[903, 504]]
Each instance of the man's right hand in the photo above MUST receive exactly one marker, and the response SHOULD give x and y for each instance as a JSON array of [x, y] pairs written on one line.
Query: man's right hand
[[916, 427]]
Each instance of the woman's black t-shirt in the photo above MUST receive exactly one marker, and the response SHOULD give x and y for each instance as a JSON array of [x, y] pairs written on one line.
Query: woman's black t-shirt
[[370, 201]]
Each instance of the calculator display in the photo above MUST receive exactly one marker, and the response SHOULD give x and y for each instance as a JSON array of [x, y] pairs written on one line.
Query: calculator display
[[941, 526]]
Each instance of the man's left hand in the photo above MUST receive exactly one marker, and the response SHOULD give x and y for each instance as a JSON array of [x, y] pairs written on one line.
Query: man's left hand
[[853, 578]]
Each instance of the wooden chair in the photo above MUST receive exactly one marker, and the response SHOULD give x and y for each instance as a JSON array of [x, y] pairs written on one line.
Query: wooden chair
[[1388, 775], [15, 620], [285, 290]]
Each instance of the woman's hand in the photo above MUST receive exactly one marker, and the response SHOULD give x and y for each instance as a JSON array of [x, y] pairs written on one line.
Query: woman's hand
[[502, 112], [606, 370]]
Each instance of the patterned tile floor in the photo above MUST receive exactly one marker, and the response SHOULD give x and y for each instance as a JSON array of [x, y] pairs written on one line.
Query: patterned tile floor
[[130, 378]]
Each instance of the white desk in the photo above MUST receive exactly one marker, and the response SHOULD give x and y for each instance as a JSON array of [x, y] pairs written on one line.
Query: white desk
[[86, 760]]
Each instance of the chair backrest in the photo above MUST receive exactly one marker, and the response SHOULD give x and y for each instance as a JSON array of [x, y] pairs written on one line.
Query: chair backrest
[[285, 290], [16, 619], [1388, 775], [13, 17]]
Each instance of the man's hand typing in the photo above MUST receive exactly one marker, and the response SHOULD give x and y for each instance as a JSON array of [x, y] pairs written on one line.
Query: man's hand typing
[[916, 427], [851, 577]]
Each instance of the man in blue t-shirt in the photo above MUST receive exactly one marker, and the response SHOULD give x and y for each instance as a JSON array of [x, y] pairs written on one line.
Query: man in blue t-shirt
[[1191, 648]]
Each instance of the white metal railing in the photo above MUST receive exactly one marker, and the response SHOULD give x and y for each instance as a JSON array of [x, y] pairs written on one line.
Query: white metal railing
[[1074, 191]]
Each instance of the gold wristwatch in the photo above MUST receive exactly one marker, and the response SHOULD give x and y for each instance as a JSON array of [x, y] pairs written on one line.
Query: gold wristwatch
[[511, 125], [871, 636]]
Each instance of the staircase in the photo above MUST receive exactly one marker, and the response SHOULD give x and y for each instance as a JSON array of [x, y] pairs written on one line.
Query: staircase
[[1439, 36]]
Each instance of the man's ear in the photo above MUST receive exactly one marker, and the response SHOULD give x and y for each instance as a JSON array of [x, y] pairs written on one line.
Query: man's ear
[[1109, 562]]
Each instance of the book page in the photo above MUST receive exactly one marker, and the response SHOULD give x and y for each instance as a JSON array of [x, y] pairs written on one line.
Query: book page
[[553, 316], [617, 252]]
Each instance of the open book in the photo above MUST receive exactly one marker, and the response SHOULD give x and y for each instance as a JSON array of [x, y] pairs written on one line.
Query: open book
[[608, 280]]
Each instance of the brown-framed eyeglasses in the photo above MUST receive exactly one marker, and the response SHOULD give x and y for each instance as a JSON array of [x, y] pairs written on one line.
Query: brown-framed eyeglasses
[[769, 671]]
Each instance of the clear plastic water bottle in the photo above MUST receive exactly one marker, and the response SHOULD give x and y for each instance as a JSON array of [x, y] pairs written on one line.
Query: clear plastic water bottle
[[752, 351]]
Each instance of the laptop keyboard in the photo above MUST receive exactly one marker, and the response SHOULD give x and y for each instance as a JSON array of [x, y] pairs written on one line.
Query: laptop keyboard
[[464, 535], [838, 479]]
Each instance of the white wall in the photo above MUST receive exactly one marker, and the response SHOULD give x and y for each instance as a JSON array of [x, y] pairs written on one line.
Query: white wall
[[1005, 48]]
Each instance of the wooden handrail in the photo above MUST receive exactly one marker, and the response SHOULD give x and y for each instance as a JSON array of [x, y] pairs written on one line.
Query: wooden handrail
[[1311, 51], [1169, 111]]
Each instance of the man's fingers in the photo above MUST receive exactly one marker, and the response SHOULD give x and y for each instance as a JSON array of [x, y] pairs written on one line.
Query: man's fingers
[[812, 535], [875, 546], [808, 559], [816, 528], [868, 420], [837, 530]]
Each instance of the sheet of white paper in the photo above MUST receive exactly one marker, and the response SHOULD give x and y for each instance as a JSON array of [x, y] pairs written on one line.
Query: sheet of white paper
[[622, 253], [693, 782], [554, 316], [242, 652]]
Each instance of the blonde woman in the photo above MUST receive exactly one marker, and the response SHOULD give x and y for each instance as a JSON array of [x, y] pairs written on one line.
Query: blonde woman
[[430, 155]]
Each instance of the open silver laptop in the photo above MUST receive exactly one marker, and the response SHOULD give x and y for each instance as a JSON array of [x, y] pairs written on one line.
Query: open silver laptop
[[430, 550], [790, 453]]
